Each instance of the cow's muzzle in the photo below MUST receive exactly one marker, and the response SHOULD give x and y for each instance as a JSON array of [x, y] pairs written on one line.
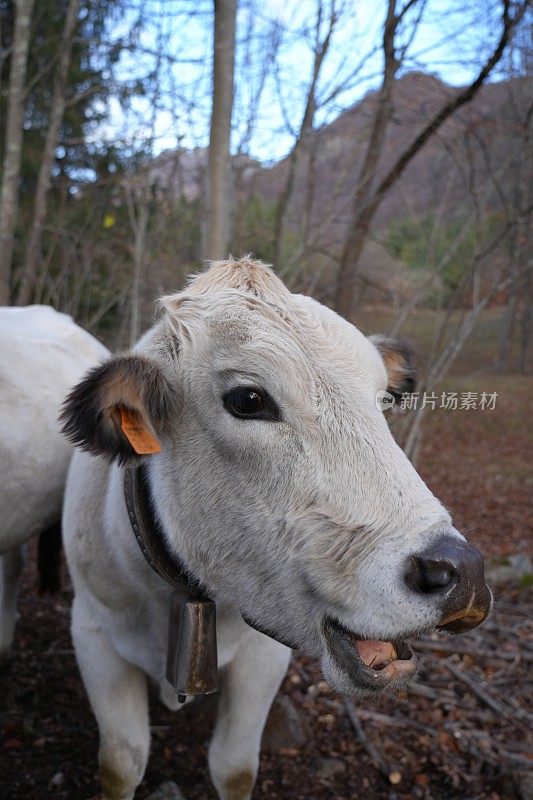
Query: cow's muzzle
[[451, 572]]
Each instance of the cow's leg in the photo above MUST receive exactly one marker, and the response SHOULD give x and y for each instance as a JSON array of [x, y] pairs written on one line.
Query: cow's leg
[[11, 568], [49, 559], [249, 685], [119, 698]]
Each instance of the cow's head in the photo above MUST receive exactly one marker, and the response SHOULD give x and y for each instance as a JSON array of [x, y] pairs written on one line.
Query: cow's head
[[278, 481]]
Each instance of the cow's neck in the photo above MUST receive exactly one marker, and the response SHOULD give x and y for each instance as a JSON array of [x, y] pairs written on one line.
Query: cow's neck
[[192, 649]]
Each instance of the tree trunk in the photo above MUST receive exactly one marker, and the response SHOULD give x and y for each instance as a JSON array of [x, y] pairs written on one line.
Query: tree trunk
[[508, 324], [138, 202], [345, 288], [13, 147], [32, 255], [307, 213], [217, 233], [371, 200], [304, 140], [520, 250], [525, 325]]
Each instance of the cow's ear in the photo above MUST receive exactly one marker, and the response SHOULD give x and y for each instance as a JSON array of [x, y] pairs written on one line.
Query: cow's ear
[[398, 357], [119, 409]]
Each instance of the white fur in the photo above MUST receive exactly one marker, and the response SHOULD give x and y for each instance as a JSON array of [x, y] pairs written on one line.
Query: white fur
[[284, 521], [42, 355]]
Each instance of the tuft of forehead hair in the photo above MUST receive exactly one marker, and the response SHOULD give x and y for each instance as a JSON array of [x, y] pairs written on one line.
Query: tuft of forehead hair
[[228, 285], [245, 274]]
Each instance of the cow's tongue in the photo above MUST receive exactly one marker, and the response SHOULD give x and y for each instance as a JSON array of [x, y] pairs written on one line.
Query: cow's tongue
[[376, 654]]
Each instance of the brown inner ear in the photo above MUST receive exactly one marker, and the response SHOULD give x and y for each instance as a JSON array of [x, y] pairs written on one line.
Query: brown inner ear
[[395, 370], [138, 433], [396, 364]]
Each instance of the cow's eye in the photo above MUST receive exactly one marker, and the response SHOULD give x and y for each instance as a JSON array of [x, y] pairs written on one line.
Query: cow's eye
[[248, 402]]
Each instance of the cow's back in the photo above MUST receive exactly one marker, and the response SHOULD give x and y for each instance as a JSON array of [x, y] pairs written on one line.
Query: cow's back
[[43, 353]]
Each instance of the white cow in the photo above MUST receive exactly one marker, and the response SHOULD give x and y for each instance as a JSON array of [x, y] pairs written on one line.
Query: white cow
[[280, 487], [42, 355]]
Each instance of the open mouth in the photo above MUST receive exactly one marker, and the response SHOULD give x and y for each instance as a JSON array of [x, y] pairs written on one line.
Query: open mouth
[[371, 664]]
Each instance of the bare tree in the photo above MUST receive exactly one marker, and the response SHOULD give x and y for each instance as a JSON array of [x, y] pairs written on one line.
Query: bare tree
[[13, 138], [450, 339], [217, 233], [260, 50], [522, 116], [138, 194], [367, 199], [303, 140], [525, 323], [31, 257], [376, 140], [444, 360]]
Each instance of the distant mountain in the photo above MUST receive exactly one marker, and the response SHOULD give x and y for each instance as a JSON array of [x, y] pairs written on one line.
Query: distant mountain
[[473, 158], [477, 140], [182, 172]]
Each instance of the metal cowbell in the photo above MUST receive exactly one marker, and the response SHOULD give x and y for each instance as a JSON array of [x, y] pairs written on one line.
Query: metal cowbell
[[192, 666]]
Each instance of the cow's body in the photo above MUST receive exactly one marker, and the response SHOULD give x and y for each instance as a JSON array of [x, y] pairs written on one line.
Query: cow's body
[[280, 487], [42, 355], [120, 625]]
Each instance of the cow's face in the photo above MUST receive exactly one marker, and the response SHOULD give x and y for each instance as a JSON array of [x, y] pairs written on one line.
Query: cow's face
[[279, 482]]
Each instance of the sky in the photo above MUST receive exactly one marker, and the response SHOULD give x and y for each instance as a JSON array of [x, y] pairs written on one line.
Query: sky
[[174, 42]]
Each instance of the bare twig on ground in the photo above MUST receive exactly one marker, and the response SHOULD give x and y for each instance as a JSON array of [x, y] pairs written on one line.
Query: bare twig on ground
[[462, 650], [375, 755], [420, 690], [477, 688], [396, 722]]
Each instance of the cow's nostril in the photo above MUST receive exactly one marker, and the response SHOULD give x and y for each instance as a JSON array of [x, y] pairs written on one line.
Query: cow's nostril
[[428, 576], [449, 574]]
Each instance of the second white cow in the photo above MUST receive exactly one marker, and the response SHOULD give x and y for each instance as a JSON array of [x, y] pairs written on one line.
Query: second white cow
[[43, 353], [280, 488]]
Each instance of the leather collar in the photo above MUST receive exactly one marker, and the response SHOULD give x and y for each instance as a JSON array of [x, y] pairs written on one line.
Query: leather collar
[[150, 537]]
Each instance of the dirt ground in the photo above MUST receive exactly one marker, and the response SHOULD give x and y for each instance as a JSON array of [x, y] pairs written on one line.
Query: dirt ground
[[461, 731], [480, 463]]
